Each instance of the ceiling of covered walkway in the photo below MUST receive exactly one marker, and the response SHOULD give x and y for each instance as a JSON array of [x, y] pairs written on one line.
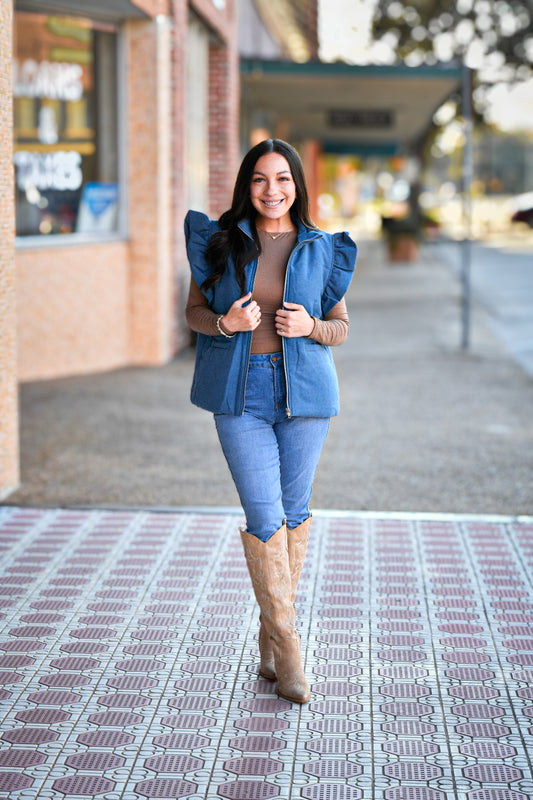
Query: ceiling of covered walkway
[[352, 109]]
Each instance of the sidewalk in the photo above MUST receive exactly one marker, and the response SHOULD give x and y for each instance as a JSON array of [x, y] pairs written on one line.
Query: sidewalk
[[423, 426], [128, 662], [128, 652]]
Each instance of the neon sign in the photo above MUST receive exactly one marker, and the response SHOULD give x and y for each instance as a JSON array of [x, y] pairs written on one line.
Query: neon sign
[[55, 81], [60, 170]]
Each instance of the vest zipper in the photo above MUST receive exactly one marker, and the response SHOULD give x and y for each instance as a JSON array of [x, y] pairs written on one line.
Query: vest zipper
[[249, 344], [288, 408]]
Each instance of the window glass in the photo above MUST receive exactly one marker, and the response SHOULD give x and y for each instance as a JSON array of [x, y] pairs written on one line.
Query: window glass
[[65, 126], [197, 118]]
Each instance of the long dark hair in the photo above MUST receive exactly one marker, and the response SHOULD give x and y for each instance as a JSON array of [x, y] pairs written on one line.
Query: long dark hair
[[230, 240]]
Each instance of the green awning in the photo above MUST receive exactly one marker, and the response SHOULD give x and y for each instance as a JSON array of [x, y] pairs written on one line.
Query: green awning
[[109, 10], [381, 109]]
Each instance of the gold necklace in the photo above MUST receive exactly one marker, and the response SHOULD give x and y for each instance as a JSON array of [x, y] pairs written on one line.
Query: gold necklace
[[274, 235]]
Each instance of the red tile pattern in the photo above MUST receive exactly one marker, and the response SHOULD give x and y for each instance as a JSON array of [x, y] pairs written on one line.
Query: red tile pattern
[[128, 660]]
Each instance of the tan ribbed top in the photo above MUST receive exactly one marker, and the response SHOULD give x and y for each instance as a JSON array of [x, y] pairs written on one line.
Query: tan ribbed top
[[268, 288], [268, 293]]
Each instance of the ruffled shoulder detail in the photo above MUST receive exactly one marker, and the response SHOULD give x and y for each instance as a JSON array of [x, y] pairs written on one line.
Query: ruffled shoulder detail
[[198, 231], [343, 266]]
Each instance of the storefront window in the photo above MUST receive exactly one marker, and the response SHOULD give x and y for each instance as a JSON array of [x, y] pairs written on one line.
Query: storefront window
[[65, 126], [197, 118]]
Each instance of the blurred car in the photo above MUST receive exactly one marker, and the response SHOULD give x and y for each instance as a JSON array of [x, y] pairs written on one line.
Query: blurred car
[[524, 215], [524, 209]]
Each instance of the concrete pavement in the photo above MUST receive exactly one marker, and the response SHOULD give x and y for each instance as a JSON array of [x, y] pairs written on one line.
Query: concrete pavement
[[423, 426]]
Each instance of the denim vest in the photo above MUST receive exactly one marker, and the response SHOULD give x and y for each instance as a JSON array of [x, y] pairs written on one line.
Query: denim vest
[[319, 272]]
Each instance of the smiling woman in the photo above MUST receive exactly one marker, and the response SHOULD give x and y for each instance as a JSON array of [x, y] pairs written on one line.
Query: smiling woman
[[267, 300], [272, 193]]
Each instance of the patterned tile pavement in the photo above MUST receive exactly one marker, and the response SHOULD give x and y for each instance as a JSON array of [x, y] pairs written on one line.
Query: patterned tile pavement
[[128, 660]]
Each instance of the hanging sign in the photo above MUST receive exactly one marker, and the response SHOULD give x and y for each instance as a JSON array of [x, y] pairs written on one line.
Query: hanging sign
[[361, 118]]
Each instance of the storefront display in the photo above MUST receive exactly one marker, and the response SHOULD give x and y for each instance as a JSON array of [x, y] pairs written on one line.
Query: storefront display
[[65, 126]]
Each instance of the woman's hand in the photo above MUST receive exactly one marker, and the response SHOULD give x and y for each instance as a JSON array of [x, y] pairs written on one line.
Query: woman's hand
[[241, 317], [293, 320]]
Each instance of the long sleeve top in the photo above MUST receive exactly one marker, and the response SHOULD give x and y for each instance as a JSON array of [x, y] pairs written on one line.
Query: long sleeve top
[[268, 293]]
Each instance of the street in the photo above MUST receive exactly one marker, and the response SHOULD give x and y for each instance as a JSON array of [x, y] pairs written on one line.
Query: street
[[502, 280]]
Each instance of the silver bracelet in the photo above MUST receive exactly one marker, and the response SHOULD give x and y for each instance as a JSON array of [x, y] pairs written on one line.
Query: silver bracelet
[[223, 333]]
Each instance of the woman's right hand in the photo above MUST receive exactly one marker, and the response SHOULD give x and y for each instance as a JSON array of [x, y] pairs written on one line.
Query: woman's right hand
[[241, 317]]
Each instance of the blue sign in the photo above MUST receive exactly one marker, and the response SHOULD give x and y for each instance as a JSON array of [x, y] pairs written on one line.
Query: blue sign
[[98, 208]]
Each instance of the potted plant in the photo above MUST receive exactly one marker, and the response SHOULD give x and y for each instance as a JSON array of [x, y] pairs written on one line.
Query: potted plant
[[403, 236]]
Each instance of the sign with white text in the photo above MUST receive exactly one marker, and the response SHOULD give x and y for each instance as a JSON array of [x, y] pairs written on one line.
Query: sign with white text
[[361, 118]]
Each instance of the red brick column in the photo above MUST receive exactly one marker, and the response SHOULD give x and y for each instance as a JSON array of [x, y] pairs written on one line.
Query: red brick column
[[224, 150], [182, 333], [151, 283], [9, 448]]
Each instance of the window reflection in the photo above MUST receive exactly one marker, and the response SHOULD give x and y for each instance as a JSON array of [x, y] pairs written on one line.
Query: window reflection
[[65, 107]]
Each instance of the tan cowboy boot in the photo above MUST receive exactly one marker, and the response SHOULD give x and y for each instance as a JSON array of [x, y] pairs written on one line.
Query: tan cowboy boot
[[297, 545], [267, 668], [268, 565]]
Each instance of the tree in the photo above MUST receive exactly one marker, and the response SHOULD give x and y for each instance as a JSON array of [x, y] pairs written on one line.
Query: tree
[[494, 37]]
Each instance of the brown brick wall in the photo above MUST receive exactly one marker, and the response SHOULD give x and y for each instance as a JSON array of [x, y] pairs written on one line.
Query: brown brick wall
[[9, 450], [223, 121], [73, 314]]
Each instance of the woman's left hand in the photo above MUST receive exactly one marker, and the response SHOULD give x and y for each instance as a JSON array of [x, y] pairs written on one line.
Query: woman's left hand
[[293, 320]]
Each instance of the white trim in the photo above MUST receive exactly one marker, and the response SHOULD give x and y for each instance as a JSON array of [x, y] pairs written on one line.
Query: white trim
[[317, 512], [66, 240]]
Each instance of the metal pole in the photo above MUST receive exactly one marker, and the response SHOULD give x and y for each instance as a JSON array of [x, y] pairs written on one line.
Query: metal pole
[[468, 171]]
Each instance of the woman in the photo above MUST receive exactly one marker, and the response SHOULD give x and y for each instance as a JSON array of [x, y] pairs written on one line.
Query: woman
[[266, 300]]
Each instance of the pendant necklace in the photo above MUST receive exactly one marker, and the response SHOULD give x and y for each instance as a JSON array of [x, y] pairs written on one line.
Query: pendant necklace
[[274, 235]]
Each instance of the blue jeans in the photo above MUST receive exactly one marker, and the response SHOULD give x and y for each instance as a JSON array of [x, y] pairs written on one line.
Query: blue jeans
[[272, 457]]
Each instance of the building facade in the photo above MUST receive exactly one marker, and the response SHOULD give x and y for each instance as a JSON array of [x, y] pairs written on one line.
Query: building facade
[[124, 115], [9, 450]]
